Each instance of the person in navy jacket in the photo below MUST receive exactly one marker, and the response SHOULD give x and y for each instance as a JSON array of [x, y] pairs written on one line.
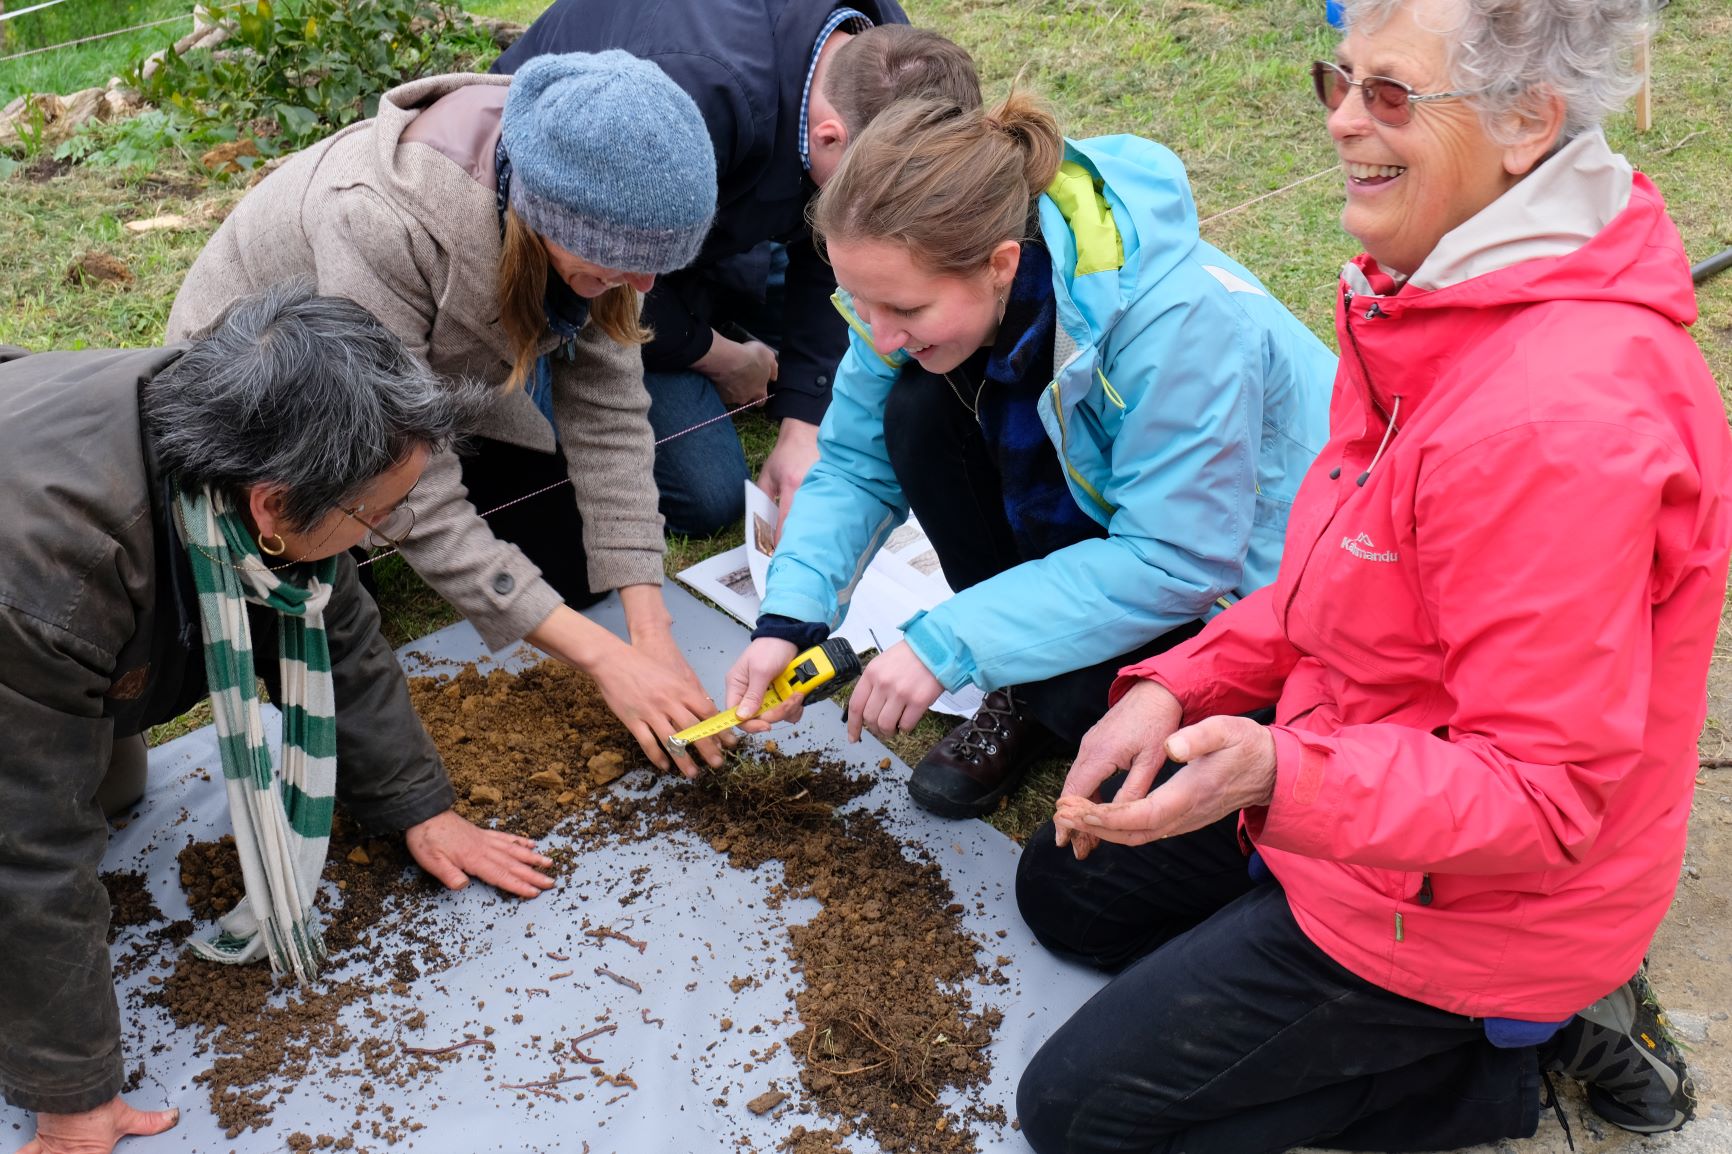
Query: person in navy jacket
[[782, 84]]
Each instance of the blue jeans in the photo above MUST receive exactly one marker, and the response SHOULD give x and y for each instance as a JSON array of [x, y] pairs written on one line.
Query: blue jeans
[[700, 473]]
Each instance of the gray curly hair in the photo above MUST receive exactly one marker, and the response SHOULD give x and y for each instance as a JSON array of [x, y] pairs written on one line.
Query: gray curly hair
[[1503, 52], [307, 392]]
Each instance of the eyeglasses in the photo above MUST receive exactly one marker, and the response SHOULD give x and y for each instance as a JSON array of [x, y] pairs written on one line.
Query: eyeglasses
[[389, 531], [1387, 101]]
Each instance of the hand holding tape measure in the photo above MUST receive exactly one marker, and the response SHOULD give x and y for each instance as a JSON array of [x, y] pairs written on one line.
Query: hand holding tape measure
[[814, 675]]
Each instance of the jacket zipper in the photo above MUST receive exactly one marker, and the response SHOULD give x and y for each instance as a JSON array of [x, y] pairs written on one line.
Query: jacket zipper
[[1424, 898], [1389, 428], [1064, 452]]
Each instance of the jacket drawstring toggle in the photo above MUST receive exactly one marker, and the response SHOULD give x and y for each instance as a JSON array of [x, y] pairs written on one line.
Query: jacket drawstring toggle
[[1388, 434]]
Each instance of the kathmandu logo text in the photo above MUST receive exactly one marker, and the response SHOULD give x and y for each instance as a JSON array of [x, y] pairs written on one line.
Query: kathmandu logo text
[[1363, 548]]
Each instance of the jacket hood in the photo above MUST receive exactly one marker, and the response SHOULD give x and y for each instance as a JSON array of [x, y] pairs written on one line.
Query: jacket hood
[[423, 182], [1637, 258], [1091, 229]]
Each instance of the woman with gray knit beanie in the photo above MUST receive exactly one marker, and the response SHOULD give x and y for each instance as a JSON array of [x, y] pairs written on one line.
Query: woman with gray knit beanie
[[505, 228]]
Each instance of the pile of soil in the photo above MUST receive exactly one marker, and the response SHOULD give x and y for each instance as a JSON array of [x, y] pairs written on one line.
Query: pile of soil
[[884, 1023], [524, 750], [268, 1033], [210, 876]]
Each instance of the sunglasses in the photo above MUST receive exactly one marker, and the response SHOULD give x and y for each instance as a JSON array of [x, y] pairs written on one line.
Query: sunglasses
[[1387, 101]]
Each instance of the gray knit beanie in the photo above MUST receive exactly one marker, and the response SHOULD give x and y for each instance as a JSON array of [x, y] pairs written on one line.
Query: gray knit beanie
[[610, 160]]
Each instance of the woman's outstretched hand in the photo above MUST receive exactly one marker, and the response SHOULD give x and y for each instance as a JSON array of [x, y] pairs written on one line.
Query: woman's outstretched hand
[[751, 675], [454, 850], [1131, 739]]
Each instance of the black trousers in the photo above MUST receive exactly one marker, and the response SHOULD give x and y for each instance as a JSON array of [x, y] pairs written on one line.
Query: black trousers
[[951, 481], [547, 527], [1226, 1031]]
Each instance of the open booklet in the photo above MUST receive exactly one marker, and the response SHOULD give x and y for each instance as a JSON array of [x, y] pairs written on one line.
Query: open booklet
[[902, 579]]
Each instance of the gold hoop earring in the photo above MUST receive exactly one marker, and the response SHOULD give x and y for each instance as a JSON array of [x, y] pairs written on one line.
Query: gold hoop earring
[[282, 545]]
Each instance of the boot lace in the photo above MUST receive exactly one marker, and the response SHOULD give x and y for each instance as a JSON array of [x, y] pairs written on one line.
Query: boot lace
[[991, 722]]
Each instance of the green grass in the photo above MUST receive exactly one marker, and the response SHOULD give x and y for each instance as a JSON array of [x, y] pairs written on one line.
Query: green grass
[[1221, 82], [65, 70]]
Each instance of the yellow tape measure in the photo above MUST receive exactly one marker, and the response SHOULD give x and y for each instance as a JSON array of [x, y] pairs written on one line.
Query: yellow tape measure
[[817, 673]]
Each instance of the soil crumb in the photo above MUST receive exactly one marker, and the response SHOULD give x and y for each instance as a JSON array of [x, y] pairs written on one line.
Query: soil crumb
[[129, 902]]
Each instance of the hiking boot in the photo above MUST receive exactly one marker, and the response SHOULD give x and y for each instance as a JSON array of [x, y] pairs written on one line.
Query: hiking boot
[[980, 761], [1621, 1048]]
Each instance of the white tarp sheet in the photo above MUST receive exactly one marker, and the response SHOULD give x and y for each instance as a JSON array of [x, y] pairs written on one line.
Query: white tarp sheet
[[706, 926]]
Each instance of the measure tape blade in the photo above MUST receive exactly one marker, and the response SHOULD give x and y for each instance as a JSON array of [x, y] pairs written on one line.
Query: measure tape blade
[[720, 723]]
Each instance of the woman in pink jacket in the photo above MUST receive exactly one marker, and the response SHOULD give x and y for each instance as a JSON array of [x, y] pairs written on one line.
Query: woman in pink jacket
[[1485, 654]]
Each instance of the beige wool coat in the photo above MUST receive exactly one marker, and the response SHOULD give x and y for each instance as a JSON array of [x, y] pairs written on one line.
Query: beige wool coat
[[409, 228]]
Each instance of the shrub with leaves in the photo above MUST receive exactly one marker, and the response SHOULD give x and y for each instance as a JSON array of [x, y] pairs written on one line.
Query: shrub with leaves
[[137, 143], [295, 70]]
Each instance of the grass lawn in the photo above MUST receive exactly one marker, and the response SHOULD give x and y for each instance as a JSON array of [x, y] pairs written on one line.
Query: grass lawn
[[1221, 82]]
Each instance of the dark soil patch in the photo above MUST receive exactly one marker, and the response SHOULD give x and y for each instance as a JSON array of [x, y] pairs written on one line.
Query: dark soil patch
[[177, 187], [45, 168]]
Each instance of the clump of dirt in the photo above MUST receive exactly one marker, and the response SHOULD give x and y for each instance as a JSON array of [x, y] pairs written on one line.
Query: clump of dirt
[[210, 876], [96, 267], [129, 902], [523, 750]]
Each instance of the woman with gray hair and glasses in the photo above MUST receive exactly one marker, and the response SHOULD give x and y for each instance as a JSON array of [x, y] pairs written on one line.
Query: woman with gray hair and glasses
[[171, 514], [1383, 920]]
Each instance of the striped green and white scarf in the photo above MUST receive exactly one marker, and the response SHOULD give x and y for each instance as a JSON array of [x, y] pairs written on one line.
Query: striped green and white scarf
[[282, 817]]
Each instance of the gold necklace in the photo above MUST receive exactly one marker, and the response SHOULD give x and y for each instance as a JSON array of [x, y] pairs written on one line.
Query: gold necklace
[[186, 539], [974, 409]]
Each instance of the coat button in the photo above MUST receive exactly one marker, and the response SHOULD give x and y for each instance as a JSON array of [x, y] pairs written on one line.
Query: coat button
[[504, 583], [823, 380], [1335, 473]]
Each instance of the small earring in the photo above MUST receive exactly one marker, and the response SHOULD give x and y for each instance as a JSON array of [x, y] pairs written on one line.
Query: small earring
[[282, 545]]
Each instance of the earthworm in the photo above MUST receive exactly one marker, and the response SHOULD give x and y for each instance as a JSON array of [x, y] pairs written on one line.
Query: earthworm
[[438, 1050], [610, 932], [603, 971]]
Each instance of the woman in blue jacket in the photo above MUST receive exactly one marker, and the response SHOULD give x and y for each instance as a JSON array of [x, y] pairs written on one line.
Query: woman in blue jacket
[[1099, 419]]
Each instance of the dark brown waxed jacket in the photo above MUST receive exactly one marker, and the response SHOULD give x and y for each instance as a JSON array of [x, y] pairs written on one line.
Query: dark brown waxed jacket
[[99, 639]]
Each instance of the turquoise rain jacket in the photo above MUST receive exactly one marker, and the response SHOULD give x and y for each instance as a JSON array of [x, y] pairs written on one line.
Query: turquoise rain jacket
[[1186, 405]]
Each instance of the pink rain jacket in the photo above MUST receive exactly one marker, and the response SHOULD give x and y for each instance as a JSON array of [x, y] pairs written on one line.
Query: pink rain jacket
[[1489, 656]]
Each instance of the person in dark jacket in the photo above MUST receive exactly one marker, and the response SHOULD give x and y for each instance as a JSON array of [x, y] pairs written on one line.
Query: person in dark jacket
[[297, 427], [782, 85]]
